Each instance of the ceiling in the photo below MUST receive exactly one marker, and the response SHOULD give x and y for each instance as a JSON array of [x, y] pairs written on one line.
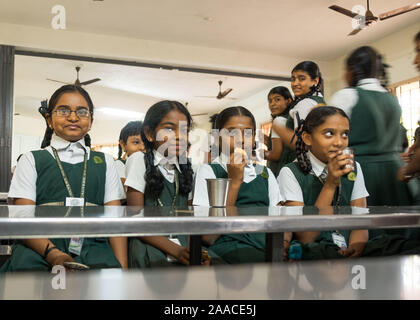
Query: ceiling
[[126, 88], [293, 28]]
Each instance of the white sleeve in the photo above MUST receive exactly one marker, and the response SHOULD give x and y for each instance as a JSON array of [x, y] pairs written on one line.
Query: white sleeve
[[359, 188], [201, 197], [23, 184], [273, 189], [303, 107], [289, 186], [135, 169], [345, 99], [120, 166], [113, 186], [279, 121]]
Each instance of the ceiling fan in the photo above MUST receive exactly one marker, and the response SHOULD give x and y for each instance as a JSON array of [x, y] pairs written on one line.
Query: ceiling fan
[[220, 95], [369, 18], [77, 82], [196, 114]]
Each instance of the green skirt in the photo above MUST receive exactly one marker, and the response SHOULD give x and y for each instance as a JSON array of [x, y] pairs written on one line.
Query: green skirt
[[96, 253]]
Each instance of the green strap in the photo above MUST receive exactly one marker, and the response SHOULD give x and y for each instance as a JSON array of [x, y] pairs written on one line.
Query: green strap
[[176, 190]]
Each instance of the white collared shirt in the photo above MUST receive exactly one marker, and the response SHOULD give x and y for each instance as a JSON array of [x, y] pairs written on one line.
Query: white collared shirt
[[24, 179], [120, 166], [303, 107], [279, 121], [205, 171], [291, 191], [347, 98], [135, 169]]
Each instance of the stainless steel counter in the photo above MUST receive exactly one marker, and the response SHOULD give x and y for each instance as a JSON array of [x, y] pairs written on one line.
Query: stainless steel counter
[[57, 222], [375, 278]]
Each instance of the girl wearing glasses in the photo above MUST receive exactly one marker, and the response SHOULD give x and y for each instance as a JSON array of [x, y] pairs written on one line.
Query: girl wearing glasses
[[63, 172]]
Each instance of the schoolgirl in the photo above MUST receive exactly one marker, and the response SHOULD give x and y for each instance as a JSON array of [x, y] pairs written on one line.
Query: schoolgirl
[[251, 185], [323, 176], [279, 100], [67, 172], [162, 176]]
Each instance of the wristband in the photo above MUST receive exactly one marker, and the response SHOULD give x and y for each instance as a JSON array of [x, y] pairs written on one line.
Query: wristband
[[48, 250]]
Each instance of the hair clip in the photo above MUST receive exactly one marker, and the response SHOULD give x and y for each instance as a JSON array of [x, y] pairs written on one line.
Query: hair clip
[[43, 108]]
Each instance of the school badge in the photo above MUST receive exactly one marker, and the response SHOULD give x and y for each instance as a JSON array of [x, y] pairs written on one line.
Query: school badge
[[97, 160], [352, 176]]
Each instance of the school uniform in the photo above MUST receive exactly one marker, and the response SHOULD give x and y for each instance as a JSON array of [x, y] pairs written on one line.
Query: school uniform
[[259, 188], [301, 107], [275, 166], [142, 255], [305, 188], [120, 166], [38, 178], [375, 136]]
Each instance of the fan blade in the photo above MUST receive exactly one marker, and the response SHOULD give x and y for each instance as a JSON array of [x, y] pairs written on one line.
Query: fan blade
[[354, 32], [204, 97], [399, 11], [58, 81], [343, 11], [84, 83], [226, 92]]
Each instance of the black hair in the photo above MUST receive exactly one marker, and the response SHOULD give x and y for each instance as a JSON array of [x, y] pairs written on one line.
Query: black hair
[[213, 120], [315, 118], [230, 112], [285, 93], [417, 37], [133, 128], [153, 177], [365, 62], [312, 69], [48, 106], [417, 133]]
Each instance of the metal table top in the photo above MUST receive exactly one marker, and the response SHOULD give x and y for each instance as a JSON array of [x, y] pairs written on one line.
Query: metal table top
[[55, 222], [374, 278]]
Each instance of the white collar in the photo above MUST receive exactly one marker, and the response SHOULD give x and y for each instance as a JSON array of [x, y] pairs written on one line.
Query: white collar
[[59, 143], [371, 83], [164, 162], [317, 165]]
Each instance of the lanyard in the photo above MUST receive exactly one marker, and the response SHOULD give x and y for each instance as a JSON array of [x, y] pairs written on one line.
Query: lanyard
[[176, 190], [64, 176]]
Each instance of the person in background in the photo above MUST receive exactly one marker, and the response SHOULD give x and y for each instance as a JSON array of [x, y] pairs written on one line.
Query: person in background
[[129, 142], [65, 170], [279, 100], [324, 176], [252, 185], [375, 132], [307, 86]]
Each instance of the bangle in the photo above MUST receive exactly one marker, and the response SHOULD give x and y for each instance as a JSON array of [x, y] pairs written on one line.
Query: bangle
[[48, 250]]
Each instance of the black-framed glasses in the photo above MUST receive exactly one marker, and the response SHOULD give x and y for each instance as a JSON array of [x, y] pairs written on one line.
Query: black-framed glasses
[[65, 112]]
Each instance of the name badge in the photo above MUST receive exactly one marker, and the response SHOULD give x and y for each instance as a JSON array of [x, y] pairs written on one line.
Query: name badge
[[75, 202], [339, 240], [76, 245]]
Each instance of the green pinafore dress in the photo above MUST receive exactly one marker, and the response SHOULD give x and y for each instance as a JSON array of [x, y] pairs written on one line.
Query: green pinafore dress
[[375, 137], [51, 190], [143, 255], [246, 247], [323, 247]]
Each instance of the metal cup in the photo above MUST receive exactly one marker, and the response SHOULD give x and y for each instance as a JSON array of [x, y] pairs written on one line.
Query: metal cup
[[217, 190], [349, 151]]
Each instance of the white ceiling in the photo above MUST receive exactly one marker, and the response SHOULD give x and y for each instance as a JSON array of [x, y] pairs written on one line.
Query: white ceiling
[[293, 28]]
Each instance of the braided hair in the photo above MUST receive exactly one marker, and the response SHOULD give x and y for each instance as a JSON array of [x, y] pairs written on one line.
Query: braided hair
[[366, 62], [315, 118], [133, 128], [153, 177], [285, 93], [46, 109], [312, 69]]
